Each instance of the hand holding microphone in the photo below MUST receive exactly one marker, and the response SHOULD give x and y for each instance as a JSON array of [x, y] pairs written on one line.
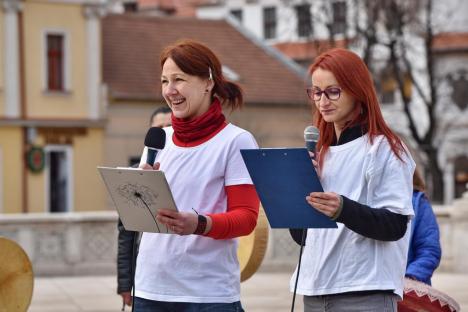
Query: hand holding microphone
[[311, 136], [182, 223], [328, 203], [155, 141]]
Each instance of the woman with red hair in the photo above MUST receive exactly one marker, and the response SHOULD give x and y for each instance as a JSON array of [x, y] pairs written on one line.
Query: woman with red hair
[[196, 268], [366, 173]]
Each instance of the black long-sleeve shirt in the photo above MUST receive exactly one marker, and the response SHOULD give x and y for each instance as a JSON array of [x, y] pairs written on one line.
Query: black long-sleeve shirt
[[380, 224]]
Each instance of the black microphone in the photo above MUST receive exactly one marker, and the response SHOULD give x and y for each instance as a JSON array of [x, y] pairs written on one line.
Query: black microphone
[[311, 136], [155, 141]]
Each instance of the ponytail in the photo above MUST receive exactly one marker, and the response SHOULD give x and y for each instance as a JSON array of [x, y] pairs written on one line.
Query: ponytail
[[230, 94]]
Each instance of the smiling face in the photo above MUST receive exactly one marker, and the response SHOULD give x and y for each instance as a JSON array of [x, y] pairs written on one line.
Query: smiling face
[[185, 94], [336, 111]]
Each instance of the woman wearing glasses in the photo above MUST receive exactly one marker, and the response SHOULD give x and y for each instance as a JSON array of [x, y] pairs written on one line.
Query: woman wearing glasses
[[366, 173]]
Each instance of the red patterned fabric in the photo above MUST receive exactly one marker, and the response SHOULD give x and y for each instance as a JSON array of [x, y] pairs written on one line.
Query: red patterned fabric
[[420, 297]]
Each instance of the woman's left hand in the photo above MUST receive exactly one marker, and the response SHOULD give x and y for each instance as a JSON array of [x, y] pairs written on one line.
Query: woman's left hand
[[182, 223], [325, 202]]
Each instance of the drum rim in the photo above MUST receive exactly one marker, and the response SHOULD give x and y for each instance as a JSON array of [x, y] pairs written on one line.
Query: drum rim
[[422, 289]]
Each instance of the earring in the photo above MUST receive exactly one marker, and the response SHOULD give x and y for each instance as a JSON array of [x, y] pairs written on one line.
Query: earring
[[206, 90]]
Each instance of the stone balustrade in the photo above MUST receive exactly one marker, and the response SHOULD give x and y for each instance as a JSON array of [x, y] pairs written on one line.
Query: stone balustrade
[[453, 224], [86, 243], [65, 243]]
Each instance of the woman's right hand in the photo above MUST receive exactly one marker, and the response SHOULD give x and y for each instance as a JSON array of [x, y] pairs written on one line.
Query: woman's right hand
[[145, 166], [127, 298]]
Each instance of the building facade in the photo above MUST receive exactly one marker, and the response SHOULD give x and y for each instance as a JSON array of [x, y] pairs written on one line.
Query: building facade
[[274, 87], [51, 106], [303, 29]]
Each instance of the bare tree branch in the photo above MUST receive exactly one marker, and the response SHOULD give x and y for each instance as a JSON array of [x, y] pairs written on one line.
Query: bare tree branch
[[401, 88]]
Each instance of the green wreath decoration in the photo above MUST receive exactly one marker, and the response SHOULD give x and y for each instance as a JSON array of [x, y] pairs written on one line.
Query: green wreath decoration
[[35, 159]]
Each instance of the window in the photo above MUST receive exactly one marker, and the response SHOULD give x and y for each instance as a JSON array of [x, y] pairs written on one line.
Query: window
[[461, 175], [388, 85], [387, 90], [130, 6], [304, 20], [459, 84], [55, 62], [269, 22], [339, 17], [237, 14]]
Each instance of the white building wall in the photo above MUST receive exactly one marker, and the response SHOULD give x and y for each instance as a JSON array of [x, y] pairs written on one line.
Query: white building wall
[[286, 31], [252, 19], [448, 16], [451, 15], [212, 12]]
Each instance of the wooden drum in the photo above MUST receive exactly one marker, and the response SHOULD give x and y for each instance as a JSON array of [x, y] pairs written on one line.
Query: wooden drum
[[16, 277], [252, 248]]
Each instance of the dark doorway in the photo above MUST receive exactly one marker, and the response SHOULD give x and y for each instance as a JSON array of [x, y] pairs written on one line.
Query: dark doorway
[[58, 180]]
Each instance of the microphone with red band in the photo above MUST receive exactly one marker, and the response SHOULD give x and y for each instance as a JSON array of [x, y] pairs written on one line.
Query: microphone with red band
[[155, 141]]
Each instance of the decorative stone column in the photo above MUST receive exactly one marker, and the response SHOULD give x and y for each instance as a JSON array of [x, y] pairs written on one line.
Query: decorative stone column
[[11, 58], [93, 13], [459, 215], [449, 183]]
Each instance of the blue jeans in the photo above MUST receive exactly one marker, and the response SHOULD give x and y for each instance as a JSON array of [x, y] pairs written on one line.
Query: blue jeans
[[144, 305]]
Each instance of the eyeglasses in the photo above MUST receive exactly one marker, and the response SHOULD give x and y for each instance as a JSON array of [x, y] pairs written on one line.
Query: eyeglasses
[[332, 93]]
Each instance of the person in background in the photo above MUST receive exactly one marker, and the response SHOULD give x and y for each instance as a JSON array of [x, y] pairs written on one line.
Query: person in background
[[161, 118], [366, 173], [424, 251], [196, 268]]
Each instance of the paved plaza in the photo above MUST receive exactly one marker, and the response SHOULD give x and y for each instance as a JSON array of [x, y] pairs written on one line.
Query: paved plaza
[[264, 292]]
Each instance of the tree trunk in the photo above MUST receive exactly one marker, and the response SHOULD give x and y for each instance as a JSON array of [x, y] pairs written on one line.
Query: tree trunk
[[436, 179]]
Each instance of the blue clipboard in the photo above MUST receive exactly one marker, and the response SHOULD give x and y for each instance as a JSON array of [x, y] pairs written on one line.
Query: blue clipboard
[[283, 178]]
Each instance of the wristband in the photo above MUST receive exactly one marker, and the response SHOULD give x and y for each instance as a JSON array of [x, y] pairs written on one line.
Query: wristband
[[201, 227]]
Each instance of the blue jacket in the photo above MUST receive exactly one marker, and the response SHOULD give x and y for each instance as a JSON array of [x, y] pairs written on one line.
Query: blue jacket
[[424, 250]]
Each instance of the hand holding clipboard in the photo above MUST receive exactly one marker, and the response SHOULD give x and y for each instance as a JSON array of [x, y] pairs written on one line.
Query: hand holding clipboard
[[283, 178]]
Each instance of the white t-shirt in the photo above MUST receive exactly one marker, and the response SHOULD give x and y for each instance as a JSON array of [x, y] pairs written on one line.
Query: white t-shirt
[[340, 260], [195, 268]]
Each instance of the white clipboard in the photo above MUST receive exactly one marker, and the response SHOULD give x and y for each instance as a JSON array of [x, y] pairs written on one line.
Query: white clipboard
[[137, 195]]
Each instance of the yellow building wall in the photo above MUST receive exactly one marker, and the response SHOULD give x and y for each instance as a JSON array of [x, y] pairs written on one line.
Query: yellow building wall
[[2, 55], [90, 192], [36, 192], [11, 169], [38, 18]]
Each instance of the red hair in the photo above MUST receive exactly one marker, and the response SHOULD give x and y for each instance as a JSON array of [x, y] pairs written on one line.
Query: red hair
[[354, 78], [195, 59]]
